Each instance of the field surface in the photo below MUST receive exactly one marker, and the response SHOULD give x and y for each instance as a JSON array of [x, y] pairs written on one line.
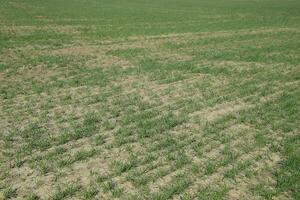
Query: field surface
[[149, 99]]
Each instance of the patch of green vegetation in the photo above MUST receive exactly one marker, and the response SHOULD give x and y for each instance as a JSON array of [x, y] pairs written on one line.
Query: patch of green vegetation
[[89, 193], [152, 99], [179, 183], [212, 193], [288, 176], [9, 192], [33, 197], [127, 53], [65, 191], [113, 188]]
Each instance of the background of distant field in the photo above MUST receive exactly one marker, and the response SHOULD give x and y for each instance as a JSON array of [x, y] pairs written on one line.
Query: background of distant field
[[140, 99]]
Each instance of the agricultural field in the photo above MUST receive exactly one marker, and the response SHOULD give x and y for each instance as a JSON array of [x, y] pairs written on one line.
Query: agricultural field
[[149, 99]]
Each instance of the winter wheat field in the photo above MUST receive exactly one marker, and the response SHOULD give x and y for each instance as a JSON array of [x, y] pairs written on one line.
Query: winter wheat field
[[149, 99]]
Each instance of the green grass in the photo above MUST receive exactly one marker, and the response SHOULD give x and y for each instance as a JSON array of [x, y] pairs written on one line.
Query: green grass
[[140, 99]]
